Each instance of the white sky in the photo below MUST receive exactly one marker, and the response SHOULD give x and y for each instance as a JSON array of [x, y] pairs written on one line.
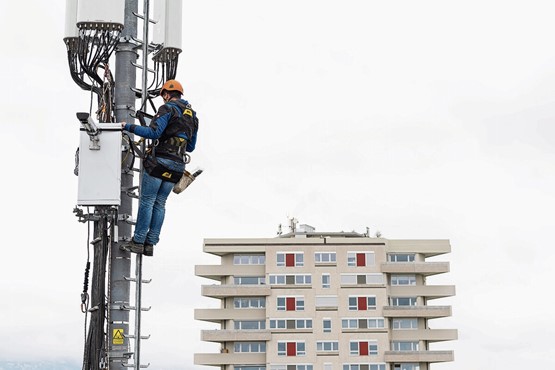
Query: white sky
[[421, 119]]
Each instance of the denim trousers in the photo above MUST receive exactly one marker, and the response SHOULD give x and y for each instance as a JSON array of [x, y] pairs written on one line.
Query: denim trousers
[[152, 204]]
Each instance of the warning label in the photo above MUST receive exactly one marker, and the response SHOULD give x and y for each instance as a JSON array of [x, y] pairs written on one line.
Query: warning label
[[117, 336]]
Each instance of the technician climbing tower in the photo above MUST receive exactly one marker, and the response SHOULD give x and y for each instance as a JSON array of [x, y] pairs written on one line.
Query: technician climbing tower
[[105, 163]]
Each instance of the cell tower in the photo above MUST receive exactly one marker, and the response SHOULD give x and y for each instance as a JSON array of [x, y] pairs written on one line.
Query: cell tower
[[96, 31]]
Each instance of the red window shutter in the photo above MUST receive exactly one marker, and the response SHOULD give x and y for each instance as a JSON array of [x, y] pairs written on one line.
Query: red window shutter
[[362, 303], [361, 259], [289, 260], [363, 348], [290, 304], [291, 349]]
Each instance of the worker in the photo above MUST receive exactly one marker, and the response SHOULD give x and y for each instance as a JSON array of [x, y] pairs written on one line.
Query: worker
[[173, 130]]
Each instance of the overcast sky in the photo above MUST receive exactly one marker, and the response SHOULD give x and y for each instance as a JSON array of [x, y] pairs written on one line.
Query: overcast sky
[[420, 119]]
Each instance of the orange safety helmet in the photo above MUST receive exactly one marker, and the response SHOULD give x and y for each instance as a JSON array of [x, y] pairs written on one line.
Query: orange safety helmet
[[172, 85]]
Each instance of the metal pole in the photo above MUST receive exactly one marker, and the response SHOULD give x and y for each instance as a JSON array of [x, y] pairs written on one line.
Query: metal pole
[[125, 79]]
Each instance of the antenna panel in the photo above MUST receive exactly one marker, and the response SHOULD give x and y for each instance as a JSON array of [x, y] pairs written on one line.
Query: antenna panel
[[100, 13], [159, 15], [174, 19], [169, 14], [71, 30]]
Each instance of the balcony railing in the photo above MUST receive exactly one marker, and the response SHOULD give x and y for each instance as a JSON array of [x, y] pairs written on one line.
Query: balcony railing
[[419, 356], [218, 272], [218, 314], [235, 335], [422, 268], [429, 312], [219, 359], [222, 291], [429, 291], [430, 335]]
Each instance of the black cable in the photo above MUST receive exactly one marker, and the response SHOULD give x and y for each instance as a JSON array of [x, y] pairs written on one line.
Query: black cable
[[85, 289]]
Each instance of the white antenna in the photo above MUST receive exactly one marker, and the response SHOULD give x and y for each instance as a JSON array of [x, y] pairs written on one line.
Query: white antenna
[[293, 224]]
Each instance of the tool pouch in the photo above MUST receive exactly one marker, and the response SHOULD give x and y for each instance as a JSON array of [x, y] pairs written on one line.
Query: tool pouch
[[183, 182], [158, 170]]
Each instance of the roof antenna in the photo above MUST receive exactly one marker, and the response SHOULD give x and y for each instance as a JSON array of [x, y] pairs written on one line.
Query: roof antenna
[[279, 232], [293, 224]]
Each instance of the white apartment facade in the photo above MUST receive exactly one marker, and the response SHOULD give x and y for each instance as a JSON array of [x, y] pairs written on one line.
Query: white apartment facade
[[324, 301]]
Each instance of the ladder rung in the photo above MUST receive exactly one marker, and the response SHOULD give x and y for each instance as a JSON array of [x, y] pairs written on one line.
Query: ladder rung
[[132, 336], [144, 281], [133, 365]]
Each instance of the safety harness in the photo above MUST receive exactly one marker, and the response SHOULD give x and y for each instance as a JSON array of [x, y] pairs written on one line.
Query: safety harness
[[183, 121]]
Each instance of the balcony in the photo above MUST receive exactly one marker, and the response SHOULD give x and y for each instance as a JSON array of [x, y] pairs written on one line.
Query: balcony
[[430, 335], [429, 312], [428, 291], [421, 268], [219, 359], [217, 315], [218, 272], [222, 291], [419, 356], [428, 248], [235, 335]]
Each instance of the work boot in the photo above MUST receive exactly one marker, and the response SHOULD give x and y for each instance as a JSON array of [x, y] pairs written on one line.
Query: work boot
[[132, 247], [149, 250]]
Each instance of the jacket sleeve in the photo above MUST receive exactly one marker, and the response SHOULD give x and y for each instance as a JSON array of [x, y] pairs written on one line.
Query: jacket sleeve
[[192, 142], [156, 127]]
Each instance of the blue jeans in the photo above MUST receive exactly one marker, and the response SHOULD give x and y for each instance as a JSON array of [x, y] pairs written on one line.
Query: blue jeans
[[152, 204]]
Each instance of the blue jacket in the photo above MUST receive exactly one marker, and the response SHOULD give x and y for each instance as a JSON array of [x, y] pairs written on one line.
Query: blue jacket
[[162, 119]]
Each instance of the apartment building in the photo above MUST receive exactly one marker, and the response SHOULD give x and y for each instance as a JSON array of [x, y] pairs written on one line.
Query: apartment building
[[324, 301]]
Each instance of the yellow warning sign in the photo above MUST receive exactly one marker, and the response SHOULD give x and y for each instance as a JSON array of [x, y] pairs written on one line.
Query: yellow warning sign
[[117, 336]]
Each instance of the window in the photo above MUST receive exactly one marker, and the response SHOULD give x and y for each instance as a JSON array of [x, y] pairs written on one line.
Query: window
[[290, 324], [249, 259], [291, 349], [249, 302], [290, 303], [327, 346], [291, 367], [326, 281], [326, 302], [324, 257], [405, 324], [250, 325], [363, 348], [407, 366], [249, 347], [249, 280], [401, 257], [249, 367], [404, 346], [360, 323], [290, 259], [362, 303], [326, 325], [403, 279], [358, 279], [290, 279], [360, 259], [363, 366], [403, 301]]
